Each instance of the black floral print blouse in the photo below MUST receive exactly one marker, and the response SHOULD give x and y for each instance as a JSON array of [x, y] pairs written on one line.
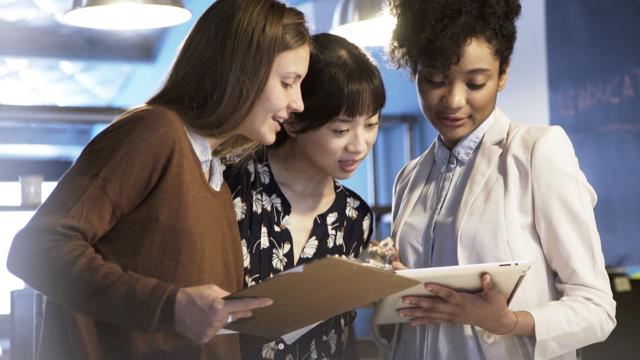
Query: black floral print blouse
[[262, 211]]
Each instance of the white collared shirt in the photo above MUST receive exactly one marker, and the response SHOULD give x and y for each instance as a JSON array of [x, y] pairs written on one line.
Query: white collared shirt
[[212, 167]]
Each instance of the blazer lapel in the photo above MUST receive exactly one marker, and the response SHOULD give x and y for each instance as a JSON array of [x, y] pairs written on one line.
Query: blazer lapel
[[414, 188], [488, 154]]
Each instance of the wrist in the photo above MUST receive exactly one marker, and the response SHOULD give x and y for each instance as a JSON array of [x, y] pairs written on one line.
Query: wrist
[[167, 315], [511, 324]]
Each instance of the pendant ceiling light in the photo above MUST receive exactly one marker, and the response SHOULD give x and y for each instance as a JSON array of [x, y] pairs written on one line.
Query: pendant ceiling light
[[126, 14], [363, 22]]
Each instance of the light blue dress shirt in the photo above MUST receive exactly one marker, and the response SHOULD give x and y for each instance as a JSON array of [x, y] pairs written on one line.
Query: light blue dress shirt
[[429, 240]]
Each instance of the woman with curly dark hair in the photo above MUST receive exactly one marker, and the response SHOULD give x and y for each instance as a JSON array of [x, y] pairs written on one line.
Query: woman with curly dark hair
[[490, 190]]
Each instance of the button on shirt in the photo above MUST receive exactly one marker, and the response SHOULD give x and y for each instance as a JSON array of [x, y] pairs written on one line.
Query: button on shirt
[[212, 167], [429, 240]]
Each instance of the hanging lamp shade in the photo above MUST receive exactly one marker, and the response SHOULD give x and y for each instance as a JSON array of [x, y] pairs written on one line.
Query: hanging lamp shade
[[363, 22], [126, 14]]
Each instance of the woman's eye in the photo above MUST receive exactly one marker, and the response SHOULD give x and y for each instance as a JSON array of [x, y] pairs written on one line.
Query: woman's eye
[[372, 125], [473, 86], [339, 131], [286, 85]]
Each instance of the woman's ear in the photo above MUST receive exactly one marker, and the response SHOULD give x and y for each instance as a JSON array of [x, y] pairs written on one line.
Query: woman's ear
[[502, 79]]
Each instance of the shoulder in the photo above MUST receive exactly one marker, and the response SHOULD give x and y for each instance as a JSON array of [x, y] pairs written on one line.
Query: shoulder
[[530, 138], [143, 127], [404, 175], [150, 117], [149, 132], [409, 167]]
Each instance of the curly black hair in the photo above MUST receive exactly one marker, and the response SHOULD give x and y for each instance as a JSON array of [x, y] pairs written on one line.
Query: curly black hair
[[433, 33]]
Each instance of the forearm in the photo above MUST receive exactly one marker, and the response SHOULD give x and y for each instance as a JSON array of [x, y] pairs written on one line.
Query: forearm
[[74, 276]]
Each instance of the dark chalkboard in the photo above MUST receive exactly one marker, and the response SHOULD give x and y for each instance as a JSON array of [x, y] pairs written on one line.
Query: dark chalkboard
[[594, 80]]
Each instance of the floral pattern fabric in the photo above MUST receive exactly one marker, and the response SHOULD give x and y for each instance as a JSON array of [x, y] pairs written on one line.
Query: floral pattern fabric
[[262, 212]]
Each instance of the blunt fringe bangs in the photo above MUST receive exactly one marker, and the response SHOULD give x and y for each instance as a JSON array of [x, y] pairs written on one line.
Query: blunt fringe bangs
[[342, 81]]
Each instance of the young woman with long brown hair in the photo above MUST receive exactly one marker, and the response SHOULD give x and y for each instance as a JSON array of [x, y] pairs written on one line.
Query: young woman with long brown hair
[[126, 250]]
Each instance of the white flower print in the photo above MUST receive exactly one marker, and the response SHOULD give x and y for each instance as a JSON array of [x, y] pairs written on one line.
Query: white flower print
[[250, 280], [276, 202], [252, 169], [262, 201], [257, 202], [352, 204], [332, 238], [278, 259], [245, 254], [263, 170], [340, 237], [240, 208], [331, 224], [345, 331], [285, 221], [269, 350], [366, 223], [264, 237], [266, 202], [309, 248], [314, 353], [289, 357], [332, 339], [331, 218]]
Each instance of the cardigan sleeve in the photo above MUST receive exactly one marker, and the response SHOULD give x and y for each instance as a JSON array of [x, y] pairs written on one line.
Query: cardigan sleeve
[[564, 218], [55, 252]]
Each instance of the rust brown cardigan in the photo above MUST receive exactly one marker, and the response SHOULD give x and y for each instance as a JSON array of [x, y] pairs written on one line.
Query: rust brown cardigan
[[129, 223]]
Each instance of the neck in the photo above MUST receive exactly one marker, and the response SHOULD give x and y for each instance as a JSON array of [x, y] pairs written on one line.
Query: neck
[[293, 171], [214, 143]]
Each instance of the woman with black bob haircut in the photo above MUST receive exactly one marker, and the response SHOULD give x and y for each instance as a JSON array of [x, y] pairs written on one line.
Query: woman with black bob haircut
[[289, 206], [490, 190], [137, 246]]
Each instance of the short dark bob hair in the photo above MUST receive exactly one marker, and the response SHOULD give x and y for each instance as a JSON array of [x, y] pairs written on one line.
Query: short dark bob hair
[[341, 81], [431, 34]]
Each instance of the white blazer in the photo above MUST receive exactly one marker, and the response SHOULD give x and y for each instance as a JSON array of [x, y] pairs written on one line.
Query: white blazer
[[527, 198]]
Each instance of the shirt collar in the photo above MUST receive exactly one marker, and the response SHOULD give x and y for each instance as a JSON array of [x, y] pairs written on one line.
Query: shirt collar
[[200, 145], [210, 164], [466, 146]]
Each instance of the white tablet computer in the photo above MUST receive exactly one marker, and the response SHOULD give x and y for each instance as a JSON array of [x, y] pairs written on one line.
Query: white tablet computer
[[506, 277]]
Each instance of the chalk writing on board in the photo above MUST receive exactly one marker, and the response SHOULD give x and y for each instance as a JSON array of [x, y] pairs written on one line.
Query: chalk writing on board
[[614, 91]]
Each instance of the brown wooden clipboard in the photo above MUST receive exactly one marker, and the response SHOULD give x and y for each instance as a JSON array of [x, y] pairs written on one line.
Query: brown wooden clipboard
[[315, 292]]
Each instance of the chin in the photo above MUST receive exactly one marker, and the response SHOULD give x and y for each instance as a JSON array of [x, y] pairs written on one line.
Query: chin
[[266, 139], [342, 175]]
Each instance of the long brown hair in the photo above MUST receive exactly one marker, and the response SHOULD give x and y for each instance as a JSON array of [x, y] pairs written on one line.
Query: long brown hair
[[225, 62]]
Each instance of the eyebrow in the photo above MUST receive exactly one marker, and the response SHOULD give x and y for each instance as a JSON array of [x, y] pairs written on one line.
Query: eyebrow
[[477, 71], [466, 72], [342, 119], [293, 73]]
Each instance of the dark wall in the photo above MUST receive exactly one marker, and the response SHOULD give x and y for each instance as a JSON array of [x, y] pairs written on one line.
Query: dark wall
[[594, 81]]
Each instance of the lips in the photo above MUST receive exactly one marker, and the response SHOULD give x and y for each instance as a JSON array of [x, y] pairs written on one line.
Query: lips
[[348, 165], [452, 121], [278, 121]]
